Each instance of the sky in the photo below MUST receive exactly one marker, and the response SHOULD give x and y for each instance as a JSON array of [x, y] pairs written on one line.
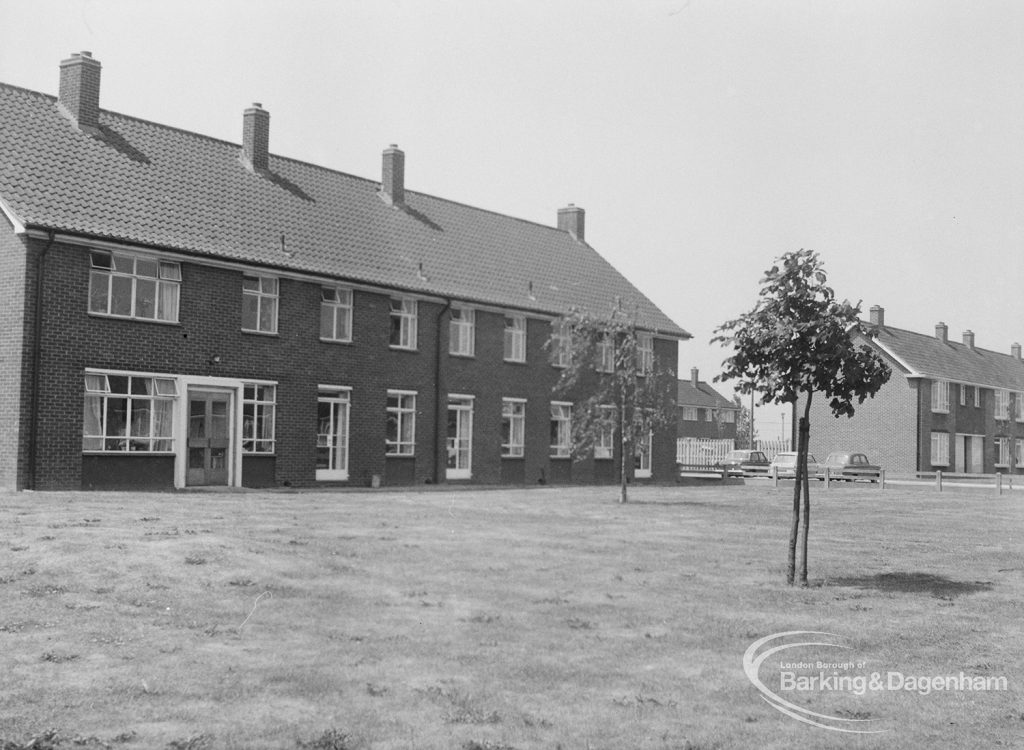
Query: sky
[[704, 139]]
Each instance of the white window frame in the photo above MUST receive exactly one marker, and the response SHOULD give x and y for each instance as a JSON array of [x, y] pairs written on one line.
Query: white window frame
[[462, 405], [606, 354], [336, 314], [98, 399], [729, 416], [642, 467], [561, 423], [977, 397], [644, 353], [560, 344], [604, 446], [339, 399], [513, 414], [403, 412], [1018, 453], [940, 396], [462, 331], [1018, 400], [259, 408], [166, 281], [963, 394], [266, 293], [515, 337], [1002, 404], [404, 312], [690, 414], [1002, 457], [940, 449], [709, 414]]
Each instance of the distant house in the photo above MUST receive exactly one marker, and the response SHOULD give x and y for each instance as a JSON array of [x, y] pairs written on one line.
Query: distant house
[[948, 405], [703, 412], [178, 310]]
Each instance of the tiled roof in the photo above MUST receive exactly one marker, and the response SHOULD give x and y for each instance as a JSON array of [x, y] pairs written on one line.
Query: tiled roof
[[152, 185], [703, 396], [929, 357]]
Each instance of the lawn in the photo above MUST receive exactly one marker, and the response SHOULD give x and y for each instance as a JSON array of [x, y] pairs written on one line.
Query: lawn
[[499, 619]]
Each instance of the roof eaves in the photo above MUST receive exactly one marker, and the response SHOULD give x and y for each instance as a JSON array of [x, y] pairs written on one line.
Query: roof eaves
[[17, 223]]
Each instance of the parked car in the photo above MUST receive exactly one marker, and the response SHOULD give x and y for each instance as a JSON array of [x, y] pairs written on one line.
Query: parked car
[[849, 467], [784, 465], [744, 463]]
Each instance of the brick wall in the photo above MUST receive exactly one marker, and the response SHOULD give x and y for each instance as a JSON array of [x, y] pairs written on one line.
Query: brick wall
[[13, 278], [210, 324]]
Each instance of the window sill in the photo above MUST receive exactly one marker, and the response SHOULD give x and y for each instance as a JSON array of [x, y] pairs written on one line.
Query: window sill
[[560, 458], [514, 361], [260, 333], [133, 319], [399, 455], [461, 355], [335, 341], [394, 348], [514, 458]]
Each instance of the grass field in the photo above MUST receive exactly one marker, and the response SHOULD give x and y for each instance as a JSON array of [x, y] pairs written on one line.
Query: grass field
[[497, 619]]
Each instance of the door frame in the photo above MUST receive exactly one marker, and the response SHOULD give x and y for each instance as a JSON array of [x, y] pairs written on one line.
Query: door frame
[[464, 403], [205, 393]]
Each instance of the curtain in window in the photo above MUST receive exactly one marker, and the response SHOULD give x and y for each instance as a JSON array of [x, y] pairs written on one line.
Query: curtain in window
[[93, 424]]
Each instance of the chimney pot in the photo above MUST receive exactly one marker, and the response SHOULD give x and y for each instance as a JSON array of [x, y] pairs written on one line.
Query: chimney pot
[[942, 332], [571, 219], [1015, 351], [256, 137], [79, 92], [969, 339], [878, 316], [392, 182], [694, 376]]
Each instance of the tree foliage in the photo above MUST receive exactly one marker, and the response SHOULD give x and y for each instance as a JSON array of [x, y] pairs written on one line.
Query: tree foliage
[[795, 342], [616, 389]]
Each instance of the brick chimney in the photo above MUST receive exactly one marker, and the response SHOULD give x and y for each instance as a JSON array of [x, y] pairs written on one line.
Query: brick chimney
[[256, 137], [877, 316], [392, 183], [571, 220], [969, 338], [942, 332], [1015, 351], [79, 93], [694, 379]]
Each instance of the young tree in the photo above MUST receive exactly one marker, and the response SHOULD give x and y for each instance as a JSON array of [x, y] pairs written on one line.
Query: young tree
[[743, 425], [795, 342], [618, 388]]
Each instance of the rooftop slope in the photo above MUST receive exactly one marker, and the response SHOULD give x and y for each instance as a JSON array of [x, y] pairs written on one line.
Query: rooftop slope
[[139, 182]]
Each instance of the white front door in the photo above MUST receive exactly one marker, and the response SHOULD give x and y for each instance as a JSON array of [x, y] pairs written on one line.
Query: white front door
[[460, 438]]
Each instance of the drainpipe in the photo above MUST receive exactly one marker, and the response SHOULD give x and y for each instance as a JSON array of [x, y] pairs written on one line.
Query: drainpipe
[[37, 356], [439, 455]]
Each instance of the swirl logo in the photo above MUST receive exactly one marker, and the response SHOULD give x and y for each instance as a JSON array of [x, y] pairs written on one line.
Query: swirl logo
[[755, 657]]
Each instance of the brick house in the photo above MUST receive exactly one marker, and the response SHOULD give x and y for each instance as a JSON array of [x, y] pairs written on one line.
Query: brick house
[[179, 310], [948, 405], [703, 412]]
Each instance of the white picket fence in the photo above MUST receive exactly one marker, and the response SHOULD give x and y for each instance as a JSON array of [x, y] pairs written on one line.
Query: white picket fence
[[702, 451], [771, 447]]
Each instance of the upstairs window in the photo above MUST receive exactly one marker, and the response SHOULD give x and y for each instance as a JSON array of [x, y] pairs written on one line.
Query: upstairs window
[[560, 343], [977, 397], [963, 394], [606, 354], [709, 415], [259, 304], [940, 396], [403, 323], [335, 314], [258, 406], [128, 286], [1018, 399], [515, 338], [1002, 404], [729, 416], [128, 413], [689, 413], [644, 353], [462, 332]]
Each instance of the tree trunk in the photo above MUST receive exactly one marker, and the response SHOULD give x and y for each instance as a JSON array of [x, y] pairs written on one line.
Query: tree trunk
[[805, 434], [795, 526], [623, 498]]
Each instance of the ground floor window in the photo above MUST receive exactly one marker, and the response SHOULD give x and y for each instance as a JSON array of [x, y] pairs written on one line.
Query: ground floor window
[[513, 427], [333, 407], [400, 433], [561, 429], [258, 406], [125, 413], [940, 449], [604, 446], [642, 456]]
